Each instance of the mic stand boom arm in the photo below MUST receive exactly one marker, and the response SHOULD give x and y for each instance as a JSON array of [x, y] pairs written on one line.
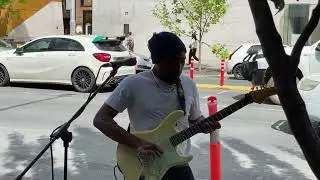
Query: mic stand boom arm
[[63, 132]]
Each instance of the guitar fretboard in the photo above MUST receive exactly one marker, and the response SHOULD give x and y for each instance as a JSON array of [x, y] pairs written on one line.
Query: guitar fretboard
[[195, 129]]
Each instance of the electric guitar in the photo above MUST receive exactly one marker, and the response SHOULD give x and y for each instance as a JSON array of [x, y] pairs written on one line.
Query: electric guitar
[[167, 138]]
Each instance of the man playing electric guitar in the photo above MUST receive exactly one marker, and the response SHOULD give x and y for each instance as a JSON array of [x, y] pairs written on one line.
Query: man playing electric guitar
[[150, 96]]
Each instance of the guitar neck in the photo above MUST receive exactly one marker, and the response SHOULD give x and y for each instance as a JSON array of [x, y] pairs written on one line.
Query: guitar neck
[[195, 129]]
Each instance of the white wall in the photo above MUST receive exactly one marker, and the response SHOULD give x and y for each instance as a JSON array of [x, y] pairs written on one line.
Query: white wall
[[47, 21], [236, 28]]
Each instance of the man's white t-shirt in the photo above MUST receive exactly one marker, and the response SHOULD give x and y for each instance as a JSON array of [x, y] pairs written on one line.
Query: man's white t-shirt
[[149, 100]]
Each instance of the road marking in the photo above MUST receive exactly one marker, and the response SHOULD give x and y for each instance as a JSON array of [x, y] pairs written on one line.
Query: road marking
[[226, 87], [243, 159], [278, 126], [275, 170], [221, 92], [205, 97], [35, 101]]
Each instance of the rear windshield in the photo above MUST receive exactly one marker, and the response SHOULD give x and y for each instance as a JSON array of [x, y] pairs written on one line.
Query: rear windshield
[[110, 46]]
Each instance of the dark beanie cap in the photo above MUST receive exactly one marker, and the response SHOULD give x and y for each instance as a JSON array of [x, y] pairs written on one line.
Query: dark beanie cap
[[163, 45]]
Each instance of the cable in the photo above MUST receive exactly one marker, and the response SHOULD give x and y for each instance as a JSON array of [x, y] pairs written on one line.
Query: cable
[[114, 172], [52, 165], [95, 81]]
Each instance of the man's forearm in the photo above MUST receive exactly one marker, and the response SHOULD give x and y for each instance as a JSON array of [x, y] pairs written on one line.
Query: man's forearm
[[112, 130]]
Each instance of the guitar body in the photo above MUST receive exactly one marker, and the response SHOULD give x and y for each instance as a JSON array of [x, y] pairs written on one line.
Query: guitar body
[[130, 164]]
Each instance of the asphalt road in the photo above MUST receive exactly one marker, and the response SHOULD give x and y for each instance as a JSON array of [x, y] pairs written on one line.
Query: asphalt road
[[256, 140]]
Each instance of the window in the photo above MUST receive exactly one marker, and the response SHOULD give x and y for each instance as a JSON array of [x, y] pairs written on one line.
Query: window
[[87, 3], [126, 29], [63, 44], [111, 46], [299, 17], [2, 44], [254, 49], [38, 45]]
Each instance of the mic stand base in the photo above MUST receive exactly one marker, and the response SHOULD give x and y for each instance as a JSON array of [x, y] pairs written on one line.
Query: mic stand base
[[66, 137]]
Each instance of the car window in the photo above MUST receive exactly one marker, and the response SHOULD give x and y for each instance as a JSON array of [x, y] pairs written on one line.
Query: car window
[[38, 45], [254, 49], [5, 44], [2, 44], [318, 48], [64, 44], [110, 46]]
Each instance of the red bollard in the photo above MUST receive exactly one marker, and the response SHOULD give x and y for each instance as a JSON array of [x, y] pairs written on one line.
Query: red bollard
[[222, 73], [215, 152], [191, 68]]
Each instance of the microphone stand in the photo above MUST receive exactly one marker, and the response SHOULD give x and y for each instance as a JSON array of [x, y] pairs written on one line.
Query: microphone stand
[[63, 132]]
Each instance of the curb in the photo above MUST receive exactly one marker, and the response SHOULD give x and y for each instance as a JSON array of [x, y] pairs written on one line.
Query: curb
[[225, 87]]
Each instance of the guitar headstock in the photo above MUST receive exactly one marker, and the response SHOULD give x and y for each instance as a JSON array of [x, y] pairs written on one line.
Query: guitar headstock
[[258, 96]]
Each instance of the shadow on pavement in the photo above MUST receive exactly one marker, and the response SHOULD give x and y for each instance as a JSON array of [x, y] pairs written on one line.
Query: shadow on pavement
[[283, 126], [53, 87], [262, 164], [92, 156], [233, 166]]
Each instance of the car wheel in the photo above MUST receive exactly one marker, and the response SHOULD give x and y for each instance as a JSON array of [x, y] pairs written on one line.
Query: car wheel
[[83, 80], [237, 72], [4, 76], [274, 98]]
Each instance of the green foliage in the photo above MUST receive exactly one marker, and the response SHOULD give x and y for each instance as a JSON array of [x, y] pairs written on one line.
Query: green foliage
[[5, 3], [198, 15], [220, 51]]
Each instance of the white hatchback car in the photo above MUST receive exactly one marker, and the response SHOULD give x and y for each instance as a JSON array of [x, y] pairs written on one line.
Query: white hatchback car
[[72, 60], [233, 65]]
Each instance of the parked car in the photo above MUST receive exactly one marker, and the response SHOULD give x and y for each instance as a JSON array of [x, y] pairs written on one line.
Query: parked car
[[4, 45], [309, 85], [233, 65], [143, 62], [263, 71], [310, 91], [72, 60]]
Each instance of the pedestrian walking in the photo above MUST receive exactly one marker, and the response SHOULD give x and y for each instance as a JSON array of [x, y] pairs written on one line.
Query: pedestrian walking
[[130, 42], [193, 48]]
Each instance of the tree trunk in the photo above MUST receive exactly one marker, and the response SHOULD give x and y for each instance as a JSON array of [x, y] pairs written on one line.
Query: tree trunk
[[200, 54], [285, 81]]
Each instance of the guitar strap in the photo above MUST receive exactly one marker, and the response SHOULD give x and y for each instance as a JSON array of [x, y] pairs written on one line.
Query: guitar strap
[[181, 97]]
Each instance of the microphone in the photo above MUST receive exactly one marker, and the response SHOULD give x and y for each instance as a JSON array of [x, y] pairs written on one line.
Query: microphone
[[116, 64]]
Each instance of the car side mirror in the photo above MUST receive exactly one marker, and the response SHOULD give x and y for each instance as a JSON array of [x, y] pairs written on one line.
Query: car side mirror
[[19, 51]]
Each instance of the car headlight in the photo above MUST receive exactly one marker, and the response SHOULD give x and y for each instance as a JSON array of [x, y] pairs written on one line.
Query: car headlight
[[308, 84]]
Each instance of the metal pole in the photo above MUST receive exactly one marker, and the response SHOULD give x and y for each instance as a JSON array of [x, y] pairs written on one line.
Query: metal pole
[[215, 159], [73, 17]]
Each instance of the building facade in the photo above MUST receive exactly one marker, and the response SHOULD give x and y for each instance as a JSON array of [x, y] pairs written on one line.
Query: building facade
[[25, 21], [117, 17], [83, 9]]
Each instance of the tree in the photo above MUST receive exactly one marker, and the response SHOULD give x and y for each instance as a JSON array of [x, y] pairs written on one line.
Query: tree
[[220, 51], [285, 81], [5, 3], [190, 16], [8, 10]]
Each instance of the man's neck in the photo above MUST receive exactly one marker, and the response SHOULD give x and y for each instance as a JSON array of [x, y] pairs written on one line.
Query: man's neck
[[159, 74]]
